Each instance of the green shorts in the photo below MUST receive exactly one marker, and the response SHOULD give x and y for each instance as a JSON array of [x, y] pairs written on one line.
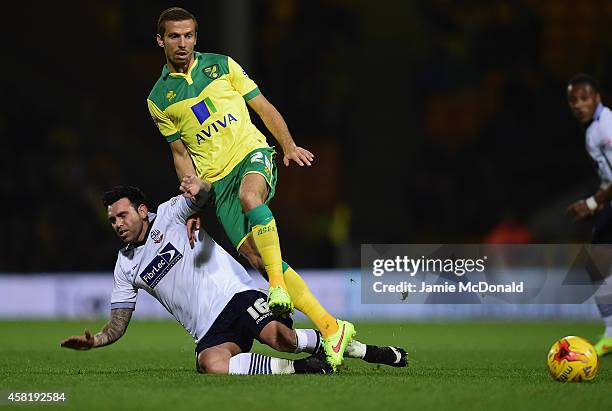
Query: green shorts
[[226, 193]]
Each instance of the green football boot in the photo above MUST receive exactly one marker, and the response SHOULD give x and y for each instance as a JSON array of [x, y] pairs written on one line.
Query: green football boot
[[604, 346], [335, 345], [279, 301]]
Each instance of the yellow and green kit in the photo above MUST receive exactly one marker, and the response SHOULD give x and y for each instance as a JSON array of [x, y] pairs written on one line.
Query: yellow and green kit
[[206, 108]]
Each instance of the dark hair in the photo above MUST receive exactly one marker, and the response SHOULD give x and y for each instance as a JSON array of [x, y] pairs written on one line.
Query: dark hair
[[174, 14], [134, 194], [585, 79]]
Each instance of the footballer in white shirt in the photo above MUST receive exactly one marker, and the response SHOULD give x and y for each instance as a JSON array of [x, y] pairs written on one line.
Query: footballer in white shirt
[[584, 99], [208, 292]]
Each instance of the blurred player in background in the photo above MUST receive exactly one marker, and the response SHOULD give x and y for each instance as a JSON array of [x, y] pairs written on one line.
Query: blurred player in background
[[584, 98], [200, 106], [206, 290]]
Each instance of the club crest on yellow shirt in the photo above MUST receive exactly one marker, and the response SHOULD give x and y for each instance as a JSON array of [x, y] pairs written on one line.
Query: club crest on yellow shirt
[[212, 72], [170, 95]]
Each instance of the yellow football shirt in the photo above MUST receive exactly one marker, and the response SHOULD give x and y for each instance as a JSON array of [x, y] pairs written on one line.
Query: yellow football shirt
[[206, 108]]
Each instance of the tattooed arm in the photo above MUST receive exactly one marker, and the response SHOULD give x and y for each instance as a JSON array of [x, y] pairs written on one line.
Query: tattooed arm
[[112, 331], [115, 328]]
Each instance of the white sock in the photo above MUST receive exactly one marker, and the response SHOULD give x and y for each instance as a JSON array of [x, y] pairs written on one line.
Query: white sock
[[310, 340], [355, 349], [307, 340], [251, 363]]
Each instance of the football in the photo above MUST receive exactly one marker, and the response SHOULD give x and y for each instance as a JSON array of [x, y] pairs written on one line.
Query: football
[[572, 358]]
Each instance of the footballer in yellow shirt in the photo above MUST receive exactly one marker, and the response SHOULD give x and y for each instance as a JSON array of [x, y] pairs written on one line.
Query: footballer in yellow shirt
[[199, 104]]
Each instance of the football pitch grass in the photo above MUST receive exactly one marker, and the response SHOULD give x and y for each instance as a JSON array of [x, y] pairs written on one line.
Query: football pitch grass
[[452, 366]]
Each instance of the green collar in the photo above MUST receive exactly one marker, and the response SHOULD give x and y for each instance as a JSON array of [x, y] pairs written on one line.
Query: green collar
[[196, 56]]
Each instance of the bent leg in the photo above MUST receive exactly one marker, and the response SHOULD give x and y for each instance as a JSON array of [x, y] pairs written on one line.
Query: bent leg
[[282, 338], [226, 358], [257, 364], [216, 360], [253, 192]]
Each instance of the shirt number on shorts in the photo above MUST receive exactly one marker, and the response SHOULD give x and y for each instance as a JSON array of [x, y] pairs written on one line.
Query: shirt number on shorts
[[257, 157], [260, 307]]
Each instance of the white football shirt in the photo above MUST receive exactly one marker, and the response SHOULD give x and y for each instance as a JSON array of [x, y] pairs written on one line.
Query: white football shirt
[[599, 143], [194, 285]]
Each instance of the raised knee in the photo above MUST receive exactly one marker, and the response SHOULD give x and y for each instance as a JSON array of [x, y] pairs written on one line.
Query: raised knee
[[249, 200], [210, 363], [214, 367]]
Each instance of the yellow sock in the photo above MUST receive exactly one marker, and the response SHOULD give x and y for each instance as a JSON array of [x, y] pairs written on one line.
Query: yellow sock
[[266, 239], [307, 303]]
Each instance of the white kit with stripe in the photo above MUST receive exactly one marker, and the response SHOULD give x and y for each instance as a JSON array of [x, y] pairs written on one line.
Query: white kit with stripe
[[194, 285]]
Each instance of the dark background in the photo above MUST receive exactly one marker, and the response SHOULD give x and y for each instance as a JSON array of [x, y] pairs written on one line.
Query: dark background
[[432, 121]]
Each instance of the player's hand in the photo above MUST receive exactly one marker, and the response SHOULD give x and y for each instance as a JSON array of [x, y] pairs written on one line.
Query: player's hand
[[79, 342], [193, 225], [191, 186], [299, 155], [579, 210]]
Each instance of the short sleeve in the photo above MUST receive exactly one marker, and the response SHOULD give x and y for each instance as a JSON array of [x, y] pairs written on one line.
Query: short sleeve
[[163, 123], [124, 293], [241, 81]]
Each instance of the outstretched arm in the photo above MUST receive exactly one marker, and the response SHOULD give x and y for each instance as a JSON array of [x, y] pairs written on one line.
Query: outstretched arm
[[112, 331], [277, 126]]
